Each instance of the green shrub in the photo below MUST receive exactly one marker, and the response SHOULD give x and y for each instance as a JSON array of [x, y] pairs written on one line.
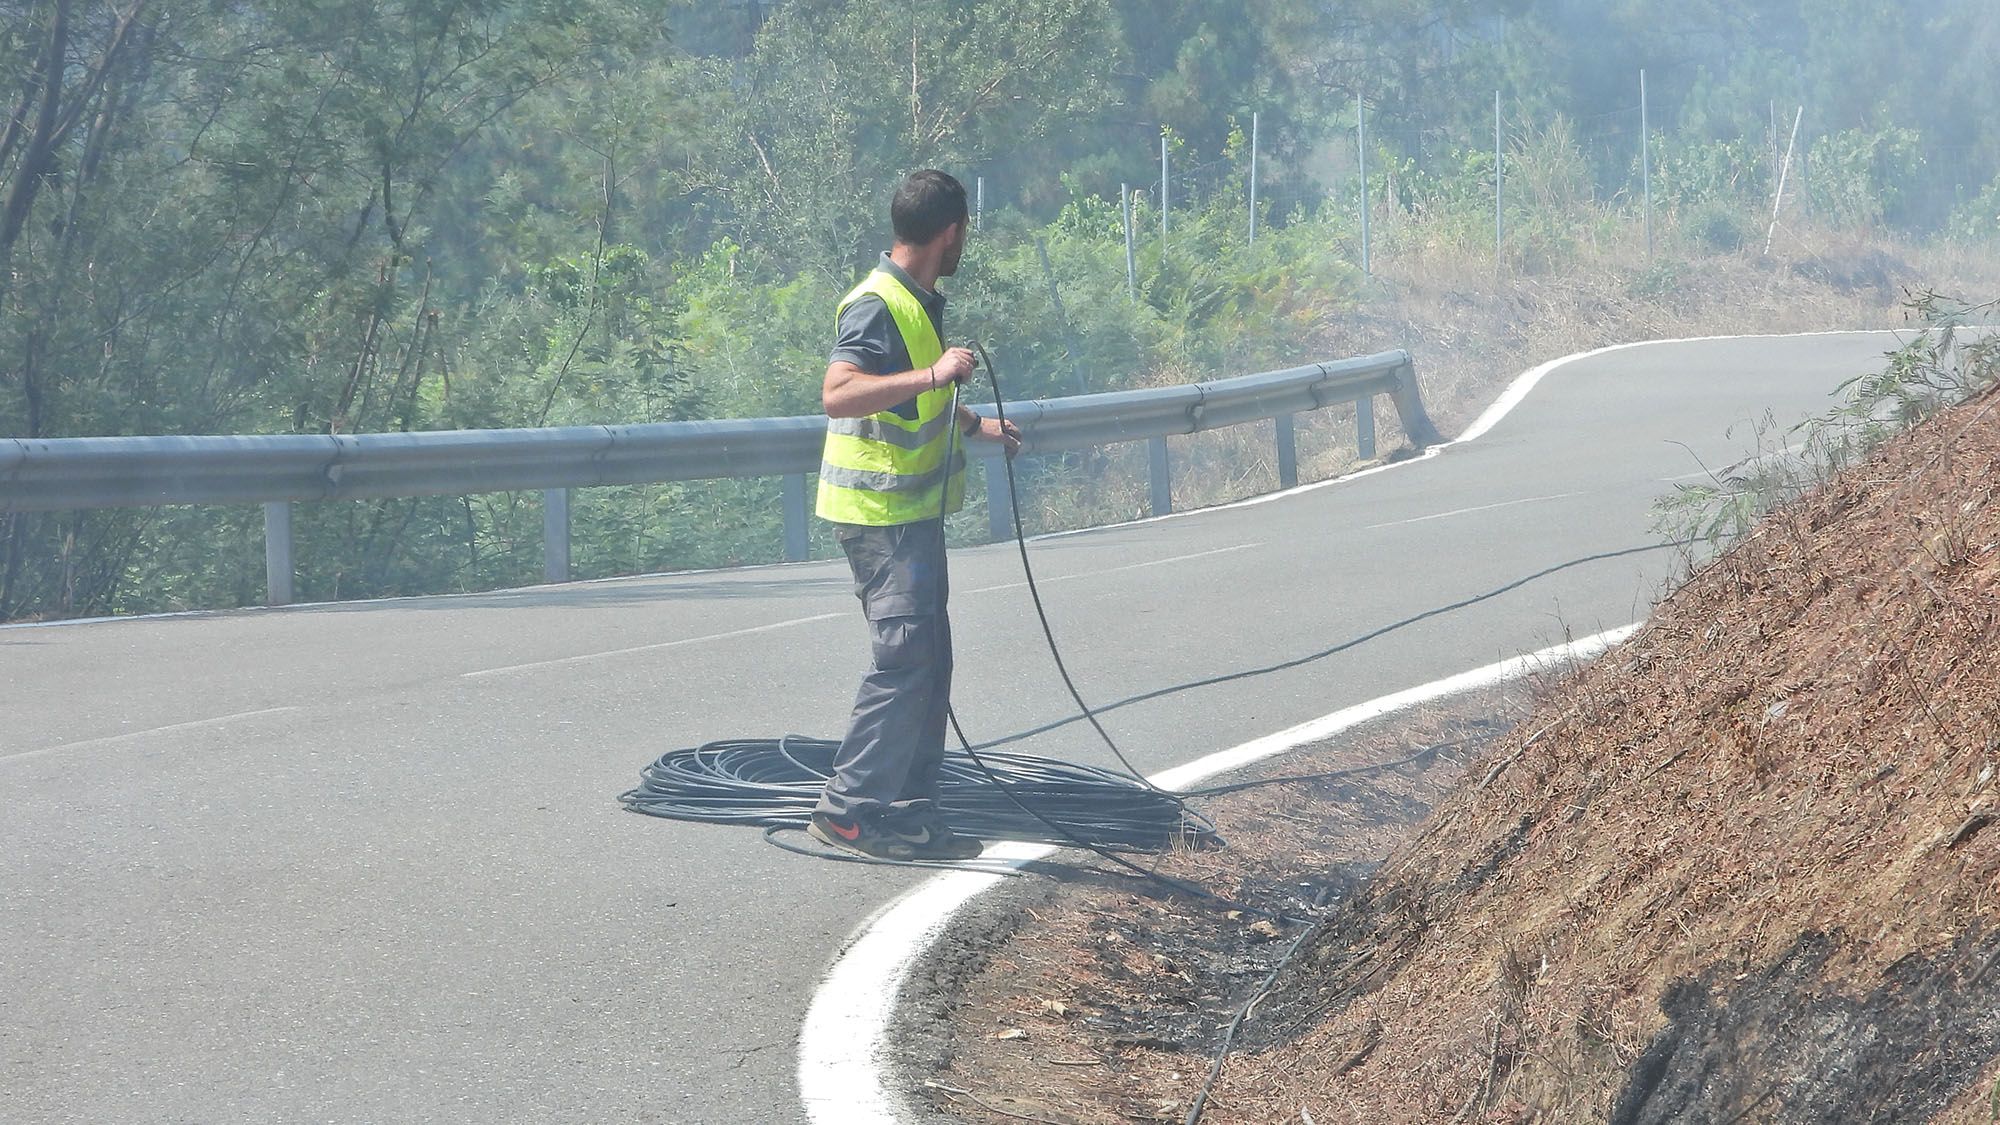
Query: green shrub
[[1978, 222], [1690, 173], [1718, 225], [1862, 178]]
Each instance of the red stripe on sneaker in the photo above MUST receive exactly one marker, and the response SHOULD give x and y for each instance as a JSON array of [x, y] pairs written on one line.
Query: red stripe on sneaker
[[852, 833]]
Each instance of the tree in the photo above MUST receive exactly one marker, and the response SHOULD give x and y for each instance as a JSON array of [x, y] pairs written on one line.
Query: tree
[[837, 101], [213, 218]]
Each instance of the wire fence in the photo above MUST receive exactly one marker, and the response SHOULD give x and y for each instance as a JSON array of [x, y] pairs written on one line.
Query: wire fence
[[1657, 167]]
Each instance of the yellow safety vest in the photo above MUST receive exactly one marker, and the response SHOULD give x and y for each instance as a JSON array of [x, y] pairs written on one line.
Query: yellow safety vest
[[885, 469]]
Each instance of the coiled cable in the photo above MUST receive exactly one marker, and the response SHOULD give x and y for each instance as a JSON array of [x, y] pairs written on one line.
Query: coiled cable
[[775, 782]]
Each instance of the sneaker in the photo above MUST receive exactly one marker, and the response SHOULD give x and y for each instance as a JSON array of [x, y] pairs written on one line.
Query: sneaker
[[927, 832], [861, 835]]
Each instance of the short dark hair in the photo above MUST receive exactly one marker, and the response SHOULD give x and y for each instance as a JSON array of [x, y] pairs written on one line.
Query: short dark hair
[[928, 202]]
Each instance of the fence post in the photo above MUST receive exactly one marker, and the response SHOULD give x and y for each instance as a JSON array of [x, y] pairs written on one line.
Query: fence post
[[555, 534], [1163, 190], [1361, 134], [1288, 451], [1646, 164], [1364, 428], [1253, 177], [979, 203], [1131, 263], [999, 508], [1161, 475], [1784, 172], [1499, 184], [278, 567]]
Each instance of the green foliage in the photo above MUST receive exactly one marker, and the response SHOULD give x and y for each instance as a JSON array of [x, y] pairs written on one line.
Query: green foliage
[[751, 349], [1659, 281], [1941, 366], [1451, 204], [1862, 177], [356, 216], [1689, 172], [1978, 222]]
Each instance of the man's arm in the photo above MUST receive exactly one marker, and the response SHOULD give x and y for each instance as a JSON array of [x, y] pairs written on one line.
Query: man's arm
[[850, 392]]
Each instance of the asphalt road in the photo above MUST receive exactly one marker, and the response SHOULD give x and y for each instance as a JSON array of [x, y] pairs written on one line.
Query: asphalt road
[[364, 862]]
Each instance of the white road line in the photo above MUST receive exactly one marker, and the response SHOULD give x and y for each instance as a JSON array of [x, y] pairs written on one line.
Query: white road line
[[108, 740], [1513, 396], [1469, 511], [1118, 569], [843, 1044], [1515, 393], [560, 660]]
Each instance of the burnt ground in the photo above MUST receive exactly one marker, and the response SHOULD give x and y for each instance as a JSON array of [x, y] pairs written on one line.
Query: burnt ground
[[1743, 868], [1087, 995]]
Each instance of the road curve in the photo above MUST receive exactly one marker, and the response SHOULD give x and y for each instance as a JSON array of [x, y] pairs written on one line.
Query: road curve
[[363, 862]]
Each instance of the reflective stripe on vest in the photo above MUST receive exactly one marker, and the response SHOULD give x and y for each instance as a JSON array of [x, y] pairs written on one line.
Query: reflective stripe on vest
[[885, 469]]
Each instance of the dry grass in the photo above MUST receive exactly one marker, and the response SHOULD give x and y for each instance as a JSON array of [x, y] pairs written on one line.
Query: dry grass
[[1800, 743], [1103, 1010]]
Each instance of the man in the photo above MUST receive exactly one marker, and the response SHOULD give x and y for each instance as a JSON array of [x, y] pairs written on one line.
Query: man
[[885, 485]]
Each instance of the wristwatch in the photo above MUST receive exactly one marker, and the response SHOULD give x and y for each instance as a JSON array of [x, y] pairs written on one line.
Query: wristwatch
[[971, 428]]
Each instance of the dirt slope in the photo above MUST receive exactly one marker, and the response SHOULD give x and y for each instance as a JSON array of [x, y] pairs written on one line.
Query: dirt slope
[[1744, 868]]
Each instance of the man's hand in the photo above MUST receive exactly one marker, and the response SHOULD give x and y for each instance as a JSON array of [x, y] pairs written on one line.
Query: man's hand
[[992, 429], [952, 367]]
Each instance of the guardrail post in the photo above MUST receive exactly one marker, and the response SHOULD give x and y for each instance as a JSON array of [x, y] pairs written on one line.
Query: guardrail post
[[278, 567], [555, 534], [1410, 405], [1161, 474], [999, 508], [798, 547], [1288, 451], [1364, 427]]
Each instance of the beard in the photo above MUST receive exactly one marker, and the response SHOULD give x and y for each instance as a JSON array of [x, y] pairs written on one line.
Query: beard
[[949, 265]]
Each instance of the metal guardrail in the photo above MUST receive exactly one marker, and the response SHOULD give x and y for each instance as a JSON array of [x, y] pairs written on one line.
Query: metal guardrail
[[57, 474]]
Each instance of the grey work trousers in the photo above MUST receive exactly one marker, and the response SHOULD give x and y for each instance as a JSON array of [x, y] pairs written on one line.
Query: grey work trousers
[[894, 746]]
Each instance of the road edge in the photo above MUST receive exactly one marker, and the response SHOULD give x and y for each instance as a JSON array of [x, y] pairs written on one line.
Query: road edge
[[844, 1041]]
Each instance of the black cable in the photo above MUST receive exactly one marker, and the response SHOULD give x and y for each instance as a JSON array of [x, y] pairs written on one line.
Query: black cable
[[776, 782], [1351, 643], [1205, 828], [1034, 592], [1229, 1036], [1183, 886]]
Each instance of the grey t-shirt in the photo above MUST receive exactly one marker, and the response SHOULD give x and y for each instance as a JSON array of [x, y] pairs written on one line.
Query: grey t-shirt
[[867, 337]]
